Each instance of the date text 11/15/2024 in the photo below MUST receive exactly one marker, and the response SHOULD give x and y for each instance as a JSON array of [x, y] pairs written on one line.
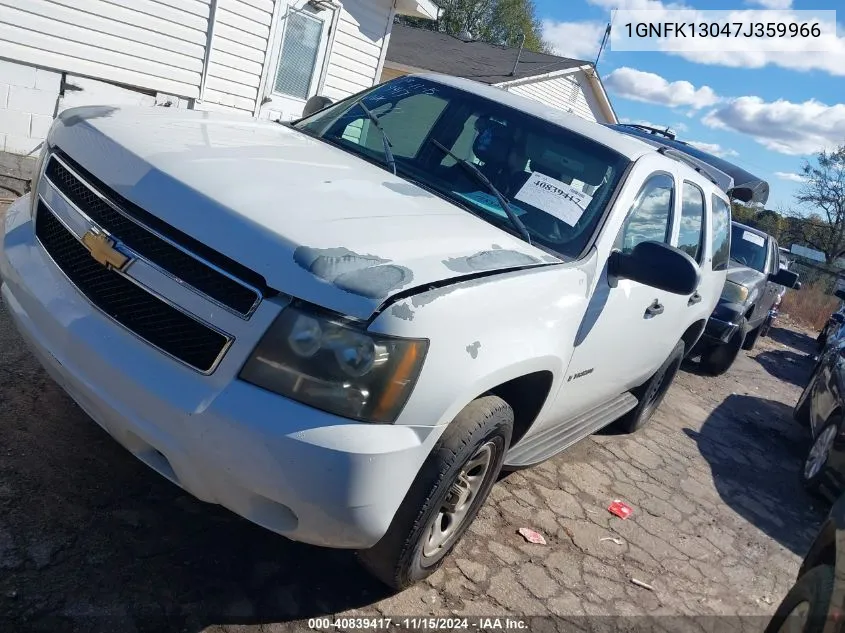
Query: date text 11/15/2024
[[419, 623]]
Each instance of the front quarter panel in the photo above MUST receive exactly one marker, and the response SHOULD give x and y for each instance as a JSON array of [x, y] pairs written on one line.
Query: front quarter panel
[[487, 331]]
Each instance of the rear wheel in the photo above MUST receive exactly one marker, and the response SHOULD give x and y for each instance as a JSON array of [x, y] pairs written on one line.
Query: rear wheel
[[805, 608], [446, 495], [718, 359], [651, 394]]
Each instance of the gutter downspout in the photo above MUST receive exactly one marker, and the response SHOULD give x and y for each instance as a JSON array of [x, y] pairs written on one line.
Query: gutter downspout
[[593, 77], [206, 62]]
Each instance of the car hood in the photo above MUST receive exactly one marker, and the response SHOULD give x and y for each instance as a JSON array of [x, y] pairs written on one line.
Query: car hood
[[743, 275], [316, 222]]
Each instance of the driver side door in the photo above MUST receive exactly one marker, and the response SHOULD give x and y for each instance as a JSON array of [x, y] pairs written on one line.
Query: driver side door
[[628, 329]]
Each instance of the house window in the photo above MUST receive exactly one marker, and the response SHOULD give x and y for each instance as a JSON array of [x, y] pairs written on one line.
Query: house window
[[300, 48]]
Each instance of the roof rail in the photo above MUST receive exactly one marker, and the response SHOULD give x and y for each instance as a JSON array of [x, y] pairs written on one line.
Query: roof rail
[[653, 130], [733, 179], [718, 178]]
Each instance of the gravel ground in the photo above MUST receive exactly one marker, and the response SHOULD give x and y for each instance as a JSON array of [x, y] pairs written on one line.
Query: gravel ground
[[92, 540]]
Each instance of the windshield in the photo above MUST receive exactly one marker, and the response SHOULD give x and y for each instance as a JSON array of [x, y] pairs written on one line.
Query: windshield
[[748, 248], [557, 182]]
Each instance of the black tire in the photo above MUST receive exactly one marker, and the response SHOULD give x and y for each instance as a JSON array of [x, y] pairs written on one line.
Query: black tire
[[801, 413], [813, 481], [767, 326], [814, 589], [398, 559], [651, 394], [718, 359], [751, 338]]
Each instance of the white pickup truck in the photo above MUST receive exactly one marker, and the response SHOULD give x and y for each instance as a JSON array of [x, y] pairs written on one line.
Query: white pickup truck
[[344, 328]]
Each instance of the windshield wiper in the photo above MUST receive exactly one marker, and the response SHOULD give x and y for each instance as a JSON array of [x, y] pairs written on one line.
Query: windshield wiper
[[463, 162], [388, 153]]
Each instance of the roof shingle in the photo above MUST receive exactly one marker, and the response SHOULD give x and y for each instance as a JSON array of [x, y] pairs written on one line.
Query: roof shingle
[[481, 61]]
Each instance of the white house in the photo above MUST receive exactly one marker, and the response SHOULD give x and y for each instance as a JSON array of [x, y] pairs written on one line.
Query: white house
[[259, 57], [560, 82]]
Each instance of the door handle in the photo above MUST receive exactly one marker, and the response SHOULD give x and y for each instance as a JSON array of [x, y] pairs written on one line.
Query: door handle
[[696, 298], [653, 310]]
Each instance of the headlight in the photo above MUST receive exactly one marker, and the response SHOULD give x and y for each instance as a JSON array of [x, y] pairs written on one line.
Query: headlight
[[323, 362], [734, 293]]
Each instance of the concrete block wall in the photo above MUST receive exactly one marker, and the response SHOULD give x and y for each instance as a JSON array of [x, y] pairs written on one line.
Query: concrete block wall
[[28, 100]]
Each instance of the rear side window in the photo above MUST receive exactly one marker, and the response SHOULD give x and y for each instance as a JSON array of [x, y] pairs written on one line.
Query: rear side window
[[651, 215], [721, 233], [690, 238]]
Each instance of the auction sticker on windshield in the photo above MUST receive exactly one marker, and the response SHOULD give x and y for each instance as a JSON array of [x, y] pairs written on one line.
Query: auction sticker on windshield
[[748, 236], [554, 197]]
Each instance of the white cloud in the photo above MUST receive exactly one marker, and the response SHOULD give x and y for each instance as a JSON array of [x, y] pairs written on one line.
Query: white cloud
[[714, 148], [637, 85], [772, 4], [790, 176], [579, 40], [783, 126]]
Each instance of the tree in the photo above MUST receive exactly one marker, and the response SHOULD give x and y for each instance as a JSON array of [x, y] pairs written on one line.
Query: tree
[[502, 22], [824, 191]]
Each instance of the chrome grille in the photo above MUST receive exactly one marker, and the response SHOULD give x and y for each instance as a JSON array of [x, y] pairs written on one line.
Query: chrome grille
[[143, 233], [151, 319]]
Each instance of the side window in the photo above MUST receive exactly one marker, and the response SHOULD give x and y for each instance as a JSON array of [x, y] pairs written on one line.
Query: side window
[[690, 239], [650, 216], [721, 233]]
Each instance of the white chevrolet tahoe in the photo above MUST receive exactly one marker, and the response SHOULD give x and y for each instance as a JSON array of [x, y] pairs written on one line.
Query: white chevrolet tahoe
[[345, 327]]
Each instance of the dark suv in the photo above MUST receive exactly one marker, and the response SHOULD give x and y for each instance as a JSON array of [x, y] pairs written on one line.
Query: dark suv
[[755, 278]]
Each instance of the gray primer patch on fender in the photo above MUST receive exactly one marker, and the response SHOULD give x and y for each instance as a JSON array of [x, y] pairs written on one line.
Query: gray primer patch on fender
[[366, 275], [472, 350], [489, 260], [402, 311], [551, 259]]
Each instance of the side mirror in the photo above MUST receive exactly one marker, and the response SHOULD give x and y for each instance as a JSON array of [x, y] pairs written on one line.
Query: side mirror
[[315, 104], [784, 278], [837, 317], [657, 265]]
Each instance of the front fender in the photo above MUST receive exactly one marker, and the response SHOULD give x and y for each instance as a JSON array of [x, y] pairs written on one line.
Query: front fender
[[486, 331]]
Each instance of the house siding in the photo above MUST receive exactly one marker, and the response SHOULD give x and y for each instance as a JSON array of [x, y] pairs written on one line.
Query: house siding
[[241, 39], [355, 57], [155, 45], [564, 93]]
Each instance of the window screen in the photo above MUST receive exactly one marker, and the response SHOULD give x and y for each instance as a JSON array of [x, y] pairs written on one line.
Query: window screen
[[299, 54]]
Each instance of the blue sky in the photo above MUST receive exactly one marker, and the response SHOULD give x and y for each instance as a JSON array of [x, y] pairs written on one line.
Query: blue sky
[[767, 112]]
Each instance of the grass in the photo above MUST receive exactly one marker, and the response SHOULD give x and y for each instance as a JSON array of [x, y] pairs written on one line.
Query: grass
[[811, 306]]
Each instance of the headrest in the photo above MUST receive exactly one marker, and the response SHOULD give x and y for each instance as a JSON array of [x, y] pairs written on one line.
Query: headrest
[[563, 163], [493, 141]]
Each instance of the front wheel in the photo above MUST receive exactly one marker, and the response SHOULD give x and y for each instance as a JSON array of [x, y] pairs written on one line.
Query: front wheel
[[817, 458], [446, 495], [717, 360], [805, 608], [651, 394]]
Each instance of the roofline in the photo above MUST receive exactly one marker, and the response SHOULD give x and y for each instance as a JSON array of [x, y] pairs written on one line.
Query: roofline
[[521, 81], [404, 67], [593, 77], [417, 8]]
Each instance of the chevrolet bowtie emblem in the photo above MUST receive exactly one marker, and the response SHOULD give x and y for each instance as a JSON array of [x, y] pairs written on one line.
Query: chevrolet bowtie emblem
[[102, 249]]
